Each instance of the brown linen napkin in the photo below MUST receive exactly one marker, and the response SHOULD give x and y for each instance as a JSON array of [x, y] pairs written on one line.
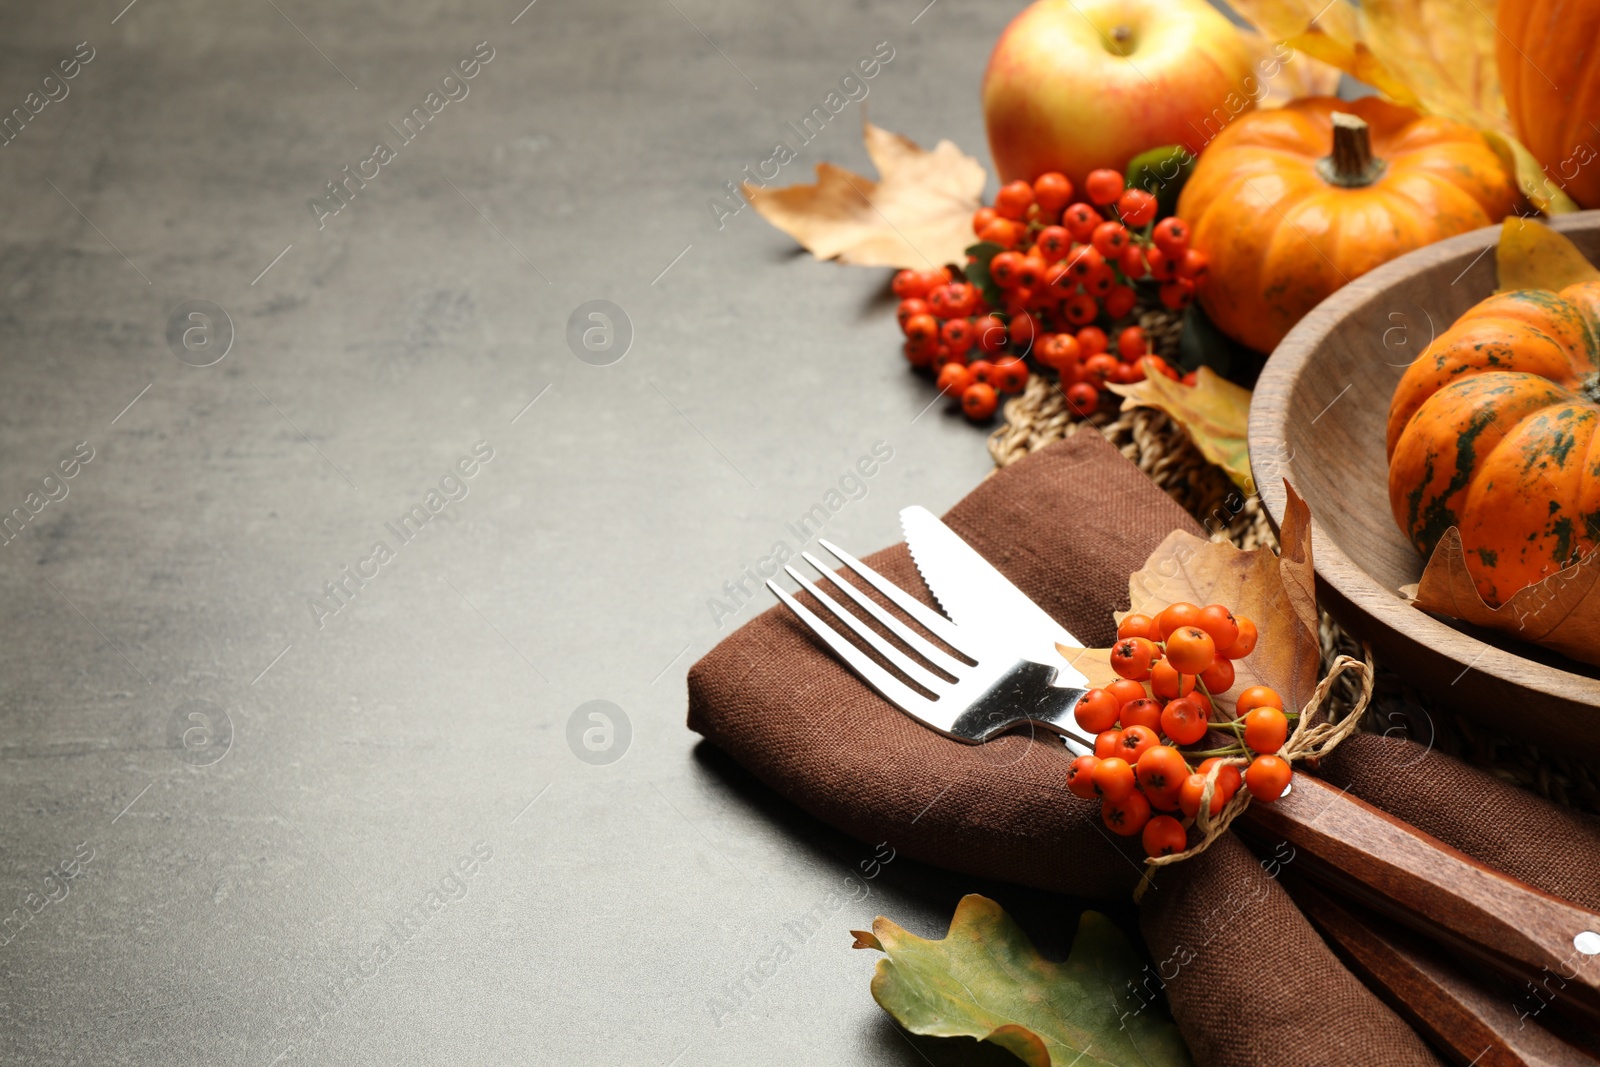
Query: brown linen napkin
[[1067, 525]]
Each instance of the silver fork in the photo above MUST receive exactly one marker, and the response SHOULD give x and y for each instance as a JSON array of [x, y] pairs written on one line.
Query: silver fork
[[995, 693]]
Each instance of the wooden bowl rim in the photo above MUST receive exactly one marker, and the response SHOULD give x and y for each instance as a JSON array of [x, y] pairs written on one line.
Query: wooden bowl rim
[[1266, 431]]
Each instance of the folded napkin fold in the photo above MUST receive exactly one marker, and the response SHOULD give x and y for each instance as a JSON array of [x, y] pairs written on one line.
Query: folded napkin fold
[[1068, 525]]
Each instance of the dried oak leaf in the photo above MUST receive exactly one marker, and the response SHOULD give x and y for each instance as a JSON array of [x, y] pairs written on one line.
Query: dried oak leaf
[[985, 980], [918, 214], [1213, 411], [1276, 591], [1562, 612], [1531, 255]]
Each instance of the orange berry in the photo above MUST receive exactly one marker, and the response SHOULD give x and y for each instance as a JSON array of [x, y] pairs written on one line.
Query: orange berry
[[1127, 816], [1190, 649], [1104, 186], [1268, 777], [1171, 235], [958, 334], [1080, 777], [1265, 729], [1132, 343], [1135, 624], [1219, 622], [1131, 657], [1005, 267], [1161, 769], [1176, 615], [1092, 341], [1080, 220], [979, 400], [1083, 398], [1002, 232], [1136, 741], [1052, 191], [1013, 200], [1120, 300], [1137, 208], [1142, 712], [1257, 696], [1096, 711], [1080, 309], [981, 218], [1106, 742], [1246, 643], [1113, 777], [1184, 721], [1054, 243], [953, 379], [1164, 836], [1218, 678], [908, 284], [1110, 238], [1124, 690], [1011, 375], [991, 333]]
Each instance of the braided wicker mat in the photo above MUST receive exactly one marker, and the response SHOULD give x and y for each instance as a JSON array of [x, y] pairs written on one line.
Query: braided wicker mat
[[1164, 452]]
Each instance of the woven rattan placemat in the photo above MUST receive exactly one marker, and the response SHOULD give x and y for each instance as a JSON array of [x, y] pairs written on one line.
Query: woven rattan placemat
[[1161, 448]]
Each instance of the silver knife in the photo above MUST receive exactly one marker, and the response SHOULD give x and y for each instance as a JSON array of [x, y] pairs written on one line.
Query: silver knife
[[981, 600]]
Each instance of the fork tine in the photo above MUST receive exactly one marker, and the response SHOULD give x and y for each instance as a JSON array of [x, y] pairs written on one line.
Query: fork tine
[[891, 688], [931, 620], [917, 643], [904, 663]]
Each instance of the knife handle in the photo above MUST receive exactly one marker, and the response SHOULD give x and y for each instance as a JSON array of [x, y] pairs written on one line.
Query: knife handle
[[1548, 945], [1472, 1022]]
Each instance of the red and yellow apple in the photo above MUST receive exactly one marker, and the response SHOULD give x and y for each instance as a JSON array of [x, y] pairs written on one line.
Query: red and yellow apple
[[1074, 85]]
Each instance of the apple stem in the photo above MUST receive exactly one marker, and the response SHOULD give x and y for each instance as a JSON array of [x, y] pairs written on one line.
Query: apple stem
[[1122, 38], [1352, 164]]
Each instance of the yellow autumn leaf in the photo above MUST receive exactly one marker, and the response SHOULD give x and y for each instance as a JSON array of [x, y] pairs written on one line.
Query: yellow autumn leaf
[[1437, 55], [1213, 411], [917, 214], [1533, 256]]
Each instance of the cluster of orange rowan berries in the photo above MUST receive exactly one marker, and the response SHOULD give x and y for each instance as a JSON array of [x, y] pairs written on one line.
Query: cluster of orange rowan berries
[[1142, 777], [1062, 268]]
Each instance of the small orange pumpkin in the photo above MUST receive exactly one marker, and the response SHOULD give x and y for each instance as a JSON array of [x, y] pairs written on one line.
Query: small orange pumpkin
[[1494, 430], [1285, 223], [1549, 57]]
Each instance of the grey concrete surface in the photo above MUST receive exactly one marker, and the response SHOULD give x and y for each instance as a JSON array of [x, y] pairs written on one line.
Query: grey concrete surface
[[228, 881]]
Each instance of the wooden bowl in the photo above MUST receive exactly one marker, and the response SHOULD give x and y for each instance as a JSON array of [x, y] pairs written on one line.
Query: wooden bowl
[[1318, 420]]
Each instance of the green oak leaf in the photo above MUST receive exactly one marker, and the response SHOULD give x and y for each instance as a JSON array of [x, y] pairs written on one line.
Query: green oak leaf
[[985, 980]]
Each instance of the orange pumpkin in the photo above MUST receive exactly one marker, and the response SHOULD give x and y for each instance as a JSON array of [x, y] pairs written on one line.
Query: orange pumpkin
[[1494, 430], [1285, 223], [1549, 57]]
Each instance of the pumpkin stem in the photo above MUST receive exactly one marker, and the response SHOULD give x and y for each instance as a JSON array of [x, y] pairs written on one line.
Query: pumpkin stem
[[1352, 164], [1589, 388]]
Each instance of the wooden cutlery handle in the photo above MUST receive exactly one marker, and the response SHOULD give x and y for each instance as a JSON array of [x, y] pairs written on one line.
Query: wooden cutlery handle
[[1474, 1022], [1547, 944]]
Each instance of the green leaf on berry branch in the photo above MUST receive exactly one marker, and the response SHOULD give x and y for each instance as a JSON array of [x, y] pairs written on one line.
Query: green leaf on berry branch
[[1212, 411], [917, 215], [985, 980]]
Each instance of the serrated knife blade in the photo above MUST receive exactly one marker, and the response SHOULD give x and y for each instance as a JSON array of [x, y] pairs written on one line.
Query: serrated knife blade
[[981, 600]]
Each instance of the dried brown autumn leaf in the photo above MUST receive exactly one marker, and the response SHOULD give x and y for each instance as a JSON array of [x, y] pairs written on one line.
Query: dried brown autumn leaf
[[1531, 255], [1561, 613], [1213, 412], [918, 214], [1277, 592]]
